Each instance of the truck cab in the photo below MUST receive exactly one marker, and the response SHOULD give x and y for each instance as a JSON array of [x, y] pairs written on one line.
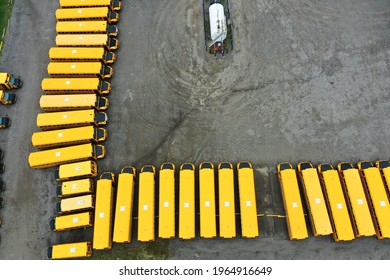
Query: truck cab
[[7, 98], [5, 122], [8, 81]]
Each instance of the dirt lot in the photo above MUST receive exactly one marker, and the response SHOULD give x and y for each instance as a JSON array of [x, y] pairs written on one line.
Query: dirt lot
[[308, 80]]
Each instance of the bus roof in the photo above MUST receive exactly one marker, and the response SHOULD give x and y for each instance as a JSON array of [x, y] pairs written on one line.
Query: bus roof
[[82, 117], [166, 227], [358, 202], [84, 3], [124, 208], [227, 214], [315, 199], [102, 238], [248, 207], [295, 217], [49, 84], [77, 203], [79, 13], [207, 201], [77, 169], [337, 206], [3, 78], [81, 26], [146, 207], [76, 53], [67, 101], [379, 198], [76, 187], [81, 40], [72, 68], [71, 250], [58, 156], [73, 221], [187, 202], [68, 135]]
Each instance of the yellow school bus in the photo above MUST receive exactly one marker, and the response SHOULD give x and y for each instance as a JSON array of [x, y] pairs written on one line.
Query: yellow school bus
[[72, 221], [356, 199], [102, 238], [99, 13], [337, 206], [295, 217], [384, 167], [68, 136], [77, 170], [124, 205], [54, 157], [76, 204], [146, 214], [82, 54], [114, 5], [227, 213], [377, 197], [315, 202], [187, 201], [247, 193], [88, 27], [70, 251], [56, 120], [69, 102], [75, 85], [79, 70], [208, 228], [166, 215], [75, 187], [87, 40]]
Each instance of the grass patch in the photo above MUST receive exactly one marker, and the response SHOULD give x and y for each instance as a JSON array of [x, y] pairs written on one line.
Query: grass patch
[[157, 250], [5, 13]]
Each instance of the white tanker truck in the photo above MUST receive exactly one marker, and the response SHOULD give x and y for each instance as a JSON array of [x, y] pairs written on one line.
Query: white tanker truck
[[217, 26]]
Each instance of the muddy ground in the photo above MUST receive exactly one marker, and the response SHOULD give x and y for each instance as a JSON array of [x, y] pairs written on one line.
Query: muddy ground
[[307, 80]]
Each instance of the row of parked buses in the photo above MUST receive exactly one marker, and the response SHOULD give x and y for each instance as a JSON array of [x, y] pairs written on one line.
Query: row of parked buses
[[73, 114], [79, 67], [348, 202], [113, 208]]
